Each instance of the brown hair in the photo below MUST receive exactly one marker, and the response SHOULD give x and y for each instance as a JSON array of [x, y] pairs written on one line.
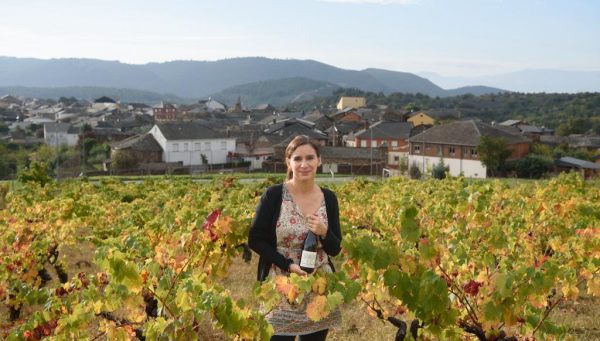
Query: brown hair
[[298, 141]]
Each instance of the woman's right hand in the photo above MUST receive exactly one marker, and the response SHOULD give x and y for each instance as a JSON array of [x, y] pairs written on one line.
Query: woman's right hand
[[295, 268]]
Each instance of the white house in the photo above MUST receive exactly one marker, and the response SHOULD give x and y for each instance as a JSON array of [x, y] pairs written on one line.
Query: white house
[[187, 142], [215, 106], [57, 134], [105, 103], [38, 120]]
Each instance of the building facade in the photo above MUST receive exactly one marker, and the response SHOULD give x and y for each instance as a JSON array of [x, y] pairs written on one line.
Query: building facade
[[456, 144], [192, 143]]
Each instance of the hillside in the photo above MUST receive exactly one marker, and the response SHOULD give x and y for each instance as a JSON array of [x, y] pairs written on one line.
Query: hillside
[[568, 113], [199, 79], [276, 92]]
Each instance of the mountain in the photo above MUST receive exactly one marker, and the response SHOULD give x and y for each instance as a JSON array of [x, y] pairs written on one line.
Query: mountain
[[92, 93], [276, 92], [530, 80], [199, 79], [411, 83]]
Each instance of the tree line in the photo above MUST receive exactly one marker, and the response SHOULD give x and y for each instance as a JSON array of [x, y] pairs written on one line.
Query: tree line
[[566, 113]]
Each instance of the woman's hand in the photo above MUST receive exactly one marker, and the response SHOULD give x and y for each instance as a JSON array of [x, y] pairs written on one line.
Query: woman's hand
[[316, 225], [295, 268]]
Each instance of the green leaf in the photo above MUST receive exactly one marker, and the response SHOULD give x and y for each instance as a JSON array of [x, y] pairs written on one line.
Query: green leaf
[[125, 273], [504, 285], [409, 227], [491, 312], [154, 328], [334, 300]]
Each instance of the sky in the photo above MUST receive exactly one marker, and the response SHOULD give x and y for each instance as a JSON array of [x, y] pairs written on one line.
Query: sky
[[447, 37]]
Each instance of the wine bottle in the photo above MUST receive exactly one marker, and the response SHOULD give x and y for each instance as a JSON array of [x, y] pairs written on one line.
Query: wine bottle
[[308, 259]]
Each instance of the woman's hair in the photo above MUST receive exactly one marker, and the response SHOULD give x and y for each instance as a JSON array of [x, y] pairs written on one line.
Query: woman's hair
[[298, 141]]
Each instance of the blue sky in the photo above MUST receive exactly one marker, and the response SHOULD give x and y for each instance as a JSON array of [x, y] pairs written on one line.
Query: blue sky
[[448, 37]]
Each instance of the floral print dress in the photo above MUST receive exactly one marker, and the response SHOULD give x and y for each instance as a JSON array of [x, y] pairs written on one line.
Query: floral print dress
[[291, 230]]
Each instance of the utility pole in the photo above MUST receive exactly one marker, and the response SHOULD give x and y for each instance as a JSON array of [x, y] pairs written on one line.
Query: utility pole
[[56, 148], [371, 145], [423, 153]]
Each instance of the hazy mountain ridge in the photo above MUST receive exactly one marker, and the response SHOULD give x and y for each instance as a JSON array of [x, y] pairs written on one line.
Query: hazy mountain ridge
[[199, 79], [529, 80]]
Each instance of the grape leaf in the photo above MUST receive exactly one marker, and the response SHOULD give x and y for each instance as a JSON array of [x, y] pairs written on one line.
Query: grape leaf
[[318, 308]]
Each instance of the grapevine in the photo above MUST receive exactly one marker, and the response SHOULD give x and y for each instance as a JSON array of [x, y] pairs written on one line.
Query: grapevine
[[448, 259]]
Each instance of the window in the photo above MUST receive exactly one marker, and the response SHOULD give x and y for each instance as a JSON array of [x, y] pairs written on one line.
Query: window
[[417, 149], [175, 147], [394, 143], [396, 158], [197, 145], [223, 145], [474, 152], [439, 151], [374, 143], [206, 145], [185, 146], [363, 143], [451, 151]]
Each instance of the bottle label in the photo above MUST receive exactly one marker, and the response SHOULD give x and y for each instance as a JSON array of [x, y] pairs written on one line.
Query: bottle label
[[308, 259]]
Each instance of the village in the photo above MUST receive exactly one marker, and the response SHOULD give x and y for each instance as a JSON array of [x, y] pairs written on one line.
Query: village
[[209, 136]]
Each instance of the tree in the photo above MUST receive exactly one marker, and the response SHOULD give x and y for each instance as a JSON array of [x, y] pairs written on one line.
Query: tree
[[410, 107], [403, 164], [439, 171], [124, 161], [493, 152], [44, 153], [98, 154], [414, 172], [541, 149], [533, 166], [37, 172], [574, 125]]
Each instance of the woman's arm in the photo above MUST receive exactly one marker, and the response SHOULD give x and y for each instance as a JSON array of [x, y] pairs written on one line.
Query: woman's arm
[[260, 232], [333, 239]]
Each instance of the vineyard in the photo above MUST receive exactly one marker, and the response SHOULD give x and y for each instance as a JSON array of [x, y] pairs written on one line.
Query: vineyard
[[453, 259]]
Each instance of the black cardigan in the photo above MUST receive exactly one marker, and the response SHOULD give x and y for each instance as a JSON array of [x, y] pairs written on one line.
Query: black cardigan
[[263, 239]]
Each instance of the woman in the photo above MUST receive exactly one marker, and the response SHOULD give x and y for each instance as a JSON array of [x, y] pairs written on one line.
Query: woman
[[283, 218]]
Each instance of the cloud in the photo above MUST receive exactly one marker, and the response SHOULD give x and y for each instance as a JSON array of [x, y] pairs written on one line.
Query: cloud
[[375, 2]]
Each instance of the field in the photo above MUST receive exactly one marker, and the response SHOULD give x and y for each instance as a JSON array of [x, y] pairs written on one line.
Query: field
[[469, 260]]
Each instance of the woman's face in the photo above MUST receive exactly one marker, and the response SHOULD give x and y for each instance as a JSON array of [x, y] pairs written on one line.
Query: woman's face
[[304, 163]]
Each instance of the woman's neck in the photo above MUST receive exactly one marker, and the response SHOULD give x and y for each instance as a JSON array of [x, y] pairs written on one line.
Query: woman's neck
[[302, 186]]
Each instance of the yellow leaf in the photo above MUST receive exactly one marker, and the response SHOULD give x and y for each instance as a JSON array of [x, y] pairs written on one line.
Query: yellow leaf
[[586, 274], [287, 289], [98, 307], [317, 309], [282, 284], [594, 287], [538, 301], [570, 292], [223, 225], [319, 285]]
